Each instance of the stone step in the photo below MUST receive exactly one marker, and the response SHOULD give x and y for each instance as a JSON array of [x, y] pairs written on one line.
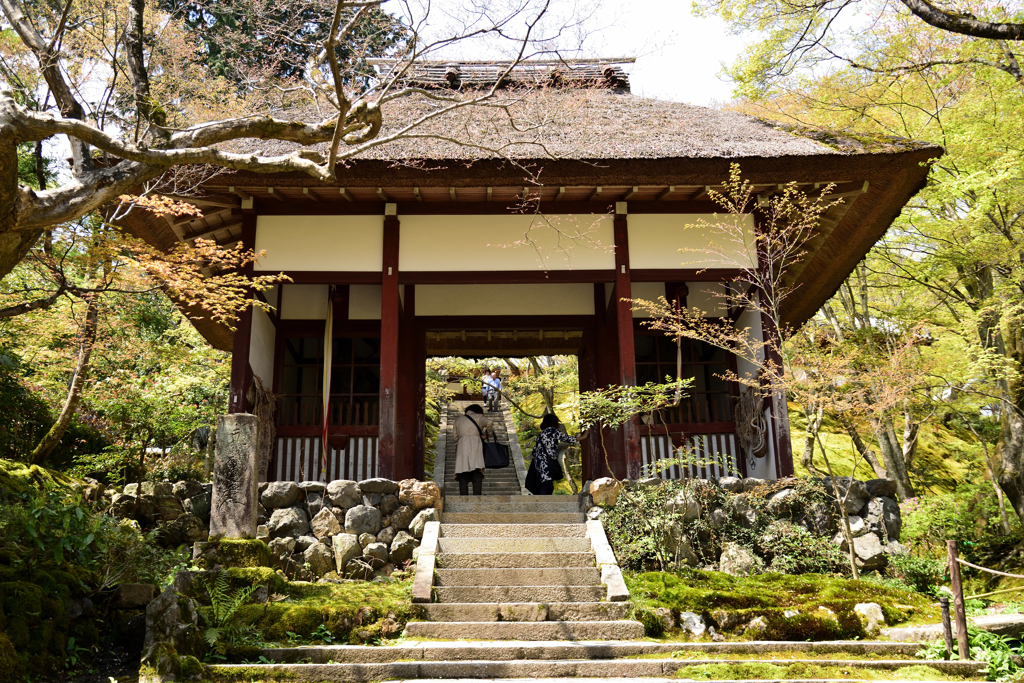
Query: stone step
[[513, 530], [529, 611], [450, 594], [572, 668], [501, 576], [504, 650], [526, 630], [514, 545], [524, 560], [518, 504], [514, 517]]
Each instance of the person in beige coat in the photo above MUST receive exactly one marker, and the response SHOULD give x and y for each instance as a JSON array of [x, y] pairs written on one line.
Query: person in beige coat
[[469, 449]]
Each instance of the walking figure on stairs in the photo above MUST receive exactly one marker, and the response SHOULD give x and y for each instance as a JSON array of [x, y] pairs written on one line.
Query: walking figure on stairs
[[470, 431]]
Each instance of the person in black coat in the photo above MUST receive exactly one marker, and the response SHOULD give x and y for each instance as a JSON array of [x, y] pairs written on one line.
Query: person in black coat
[[545, 469]]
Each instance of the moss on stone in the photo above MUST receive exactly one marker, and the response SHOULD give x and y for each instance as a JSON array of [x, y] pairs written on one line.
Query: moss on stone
[[800, 670], [823, 604], [20, 478], [234, 552], [242, 577]]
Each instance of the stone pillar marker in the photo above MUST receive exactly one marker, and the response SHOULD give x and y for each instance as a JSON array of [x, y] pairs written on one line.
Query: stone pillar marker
[[235, 481]]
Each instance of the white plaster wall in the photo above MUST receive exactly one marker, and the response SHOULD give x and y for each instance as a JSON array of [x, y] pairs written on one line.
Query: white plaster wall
[[750, 320], [456, 243], [707, 296], [348, 243], [524, 299], [364, 302], [261, 347], [655, 241], [303, 302], [651, 291]]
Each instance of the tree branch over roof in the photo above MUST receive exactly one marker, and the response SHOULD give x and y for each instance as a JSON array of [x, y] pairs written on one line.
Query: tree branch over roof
[[966, 24]]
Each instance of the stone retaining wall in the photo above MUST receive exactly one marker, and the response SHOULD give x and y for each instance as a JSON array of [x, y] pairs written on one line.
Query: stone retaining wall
[[874, 513], [353, 528]]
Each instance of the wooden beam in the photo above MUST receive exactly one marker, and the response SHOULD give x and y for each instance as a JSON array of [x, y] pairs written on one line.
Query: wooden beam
[[489, 190], [310, 194], [594, 195], [451, 193], [416, 193], [701, 194], [666, 192], [275, 194], [631, 193], [242, 194], [344, 193], [382, 194], [561, 193], [212, 229], [390, 312], [211, 200]]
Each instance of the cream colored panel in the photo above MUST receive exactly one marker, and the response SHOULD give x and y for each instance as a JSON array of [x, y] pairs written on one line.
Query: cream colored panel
[[665, 241], [261, 347], [708, 297], [454, 243], [364, 302], [651, 291], [539, 299], [339, 243], [303, 302]]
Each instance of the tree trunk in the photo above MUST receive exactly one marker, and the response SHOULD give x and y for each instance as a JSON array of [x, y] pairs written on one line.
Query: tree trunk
[[814, 419], [892, 456], [547, 393], [1011, 455], [862, 447], [88, 340]]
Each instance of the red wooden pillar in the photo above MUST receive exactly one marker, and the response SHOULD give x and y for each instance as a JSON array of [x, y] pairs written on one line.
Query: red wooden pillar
[[406, 417], [389, 321], [623, 311], [241, 373]]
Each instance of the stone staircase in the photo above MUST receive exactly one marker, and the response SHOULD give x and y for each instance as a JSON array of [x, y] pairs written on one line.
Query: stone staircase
[[520, 568], [501, 482]]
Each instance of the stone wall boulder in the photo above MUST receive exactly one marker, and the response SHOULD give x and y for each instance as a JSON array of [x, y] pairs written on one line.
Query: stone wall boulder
[[402, 547], [280, 494], [324, 523], [363, 519], [344, 494], [739, 561], [419, 522], [378, 485], [418, 494], [346, 548], [290, 521], [605, 491]]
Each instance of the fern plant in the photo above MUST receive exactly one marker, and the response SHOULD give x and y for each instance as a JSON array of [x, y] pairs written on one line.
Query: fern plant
[[222, 629]]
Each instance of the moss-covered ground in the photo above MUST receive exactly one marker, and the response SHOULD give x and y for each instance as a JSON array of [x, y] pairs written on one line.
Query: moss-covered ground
[[823, 604], [350, 612], [801, 670]]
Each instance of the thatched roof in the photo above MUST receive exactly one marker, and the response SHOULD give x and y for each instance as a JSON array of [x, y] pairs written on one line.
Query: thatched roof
[[587, 124]]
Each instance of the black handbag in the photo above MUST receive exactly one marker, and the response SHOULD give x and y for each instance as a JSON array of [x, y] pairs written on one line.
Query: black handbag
[[496, 455]]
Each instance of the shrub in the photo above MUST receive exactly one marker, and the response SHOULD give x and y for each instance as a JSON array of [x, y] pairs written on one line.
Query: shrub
[[794, 550], [922, 574]]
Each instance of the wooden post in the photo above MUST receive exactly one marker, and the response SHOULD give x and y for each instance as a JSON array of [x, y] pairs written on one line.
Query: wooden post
[[947, 628], [241, 373], [779, 409], [389, 315], [963, 646], [624, 327]]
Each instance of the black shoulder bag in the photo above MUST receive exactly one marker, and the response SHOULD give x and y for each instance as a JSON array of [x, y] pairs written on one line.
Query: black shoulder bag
[[496, 455]]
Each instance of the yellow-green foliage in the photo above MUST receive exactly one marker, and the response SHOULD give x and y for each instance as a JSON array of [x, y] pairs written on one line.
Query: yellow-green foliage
[[729, 601], [946, 454], [17, 477], [242, 577]]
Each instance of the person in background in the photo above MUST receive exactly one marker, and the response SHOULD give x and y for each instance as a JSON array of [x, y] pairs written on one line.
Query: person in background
[[486, 384], [469, 449], [495, 392], [539, 478]]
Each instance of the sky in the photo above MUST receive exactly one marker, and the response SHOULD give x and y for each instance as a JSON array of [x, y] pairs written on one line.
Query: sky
[[679, 56]]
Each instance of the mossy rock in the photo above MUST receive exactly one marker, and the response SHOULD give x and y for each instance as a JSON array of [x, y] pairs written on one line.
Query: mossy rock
[[20, 478], [730, 603], [243, 577], [163, 665], [233, 552], [10, 662]]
